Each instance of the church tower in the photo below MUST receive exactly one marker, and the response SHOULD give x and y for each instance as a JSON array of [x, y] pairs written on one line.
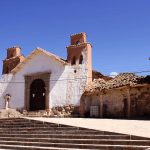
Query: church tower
[[80, 53], [14, 57]]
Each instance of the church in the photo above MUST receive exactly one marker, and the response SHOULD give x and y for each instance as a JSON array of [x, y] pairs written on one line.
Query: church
[[42, 80], [52, 86]]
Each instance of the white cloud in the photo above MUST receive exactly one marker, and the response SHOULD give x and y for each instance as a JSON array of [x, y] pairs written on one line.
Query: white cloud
[[113, 74]]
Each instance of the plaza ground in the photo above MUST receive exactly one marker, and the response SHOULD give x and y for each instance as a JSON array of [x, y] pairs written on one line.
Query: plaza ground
[[132, 127]]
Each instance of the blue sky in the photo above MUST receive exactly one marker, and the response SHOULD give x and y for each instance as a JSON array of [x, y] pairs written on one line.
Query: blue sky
[[119, 30]]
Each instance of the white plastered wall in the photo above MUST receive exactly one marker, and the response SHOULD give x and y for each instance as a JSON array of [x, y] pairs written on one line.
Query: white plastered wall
[[4, 83], [66, 86]]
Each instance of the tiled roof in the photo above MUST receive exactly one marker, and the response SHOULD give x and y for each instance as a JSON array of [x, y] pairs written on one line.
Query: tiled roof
[[123, 79]]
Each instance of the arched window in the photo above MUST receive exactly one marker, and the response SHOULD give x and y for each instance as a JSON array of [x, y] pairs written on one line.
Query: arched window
[[73, 62], [80, 59]]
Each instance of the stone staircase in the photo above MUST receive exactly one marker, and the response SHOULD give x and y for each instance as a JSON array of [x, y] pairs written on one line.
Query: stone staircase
[[40, 113], [25, 134]]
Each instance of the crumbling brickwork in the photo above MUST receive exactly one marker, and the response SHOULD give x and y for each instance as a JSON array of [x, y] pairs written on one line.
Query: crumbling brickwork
[[77, 39], [126, 96], [14, 57]]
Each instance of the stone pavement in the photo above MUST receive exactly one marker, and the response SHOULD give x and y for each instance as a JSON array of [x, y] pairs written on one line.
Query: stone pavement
[[132, 127]]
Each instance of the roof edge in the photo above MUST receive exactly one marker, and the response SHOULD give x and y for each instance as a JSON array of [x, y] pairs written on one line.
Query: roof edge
[[34, 52]]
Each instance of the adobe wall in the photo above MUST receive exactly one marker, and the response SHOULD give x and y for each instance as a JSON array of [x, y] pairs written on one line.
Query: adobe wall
[[10, 64], [116, 104], [14, 57], [140, 101]]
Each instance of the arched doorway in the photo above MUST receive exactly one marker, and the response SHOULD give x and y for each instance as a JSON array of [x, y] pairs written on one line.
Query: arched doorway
[[37, 95]]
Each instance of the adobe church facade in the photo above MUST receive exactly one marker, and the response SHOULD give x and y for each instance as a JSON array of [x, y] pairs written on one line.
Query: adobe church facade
[[43, 80]]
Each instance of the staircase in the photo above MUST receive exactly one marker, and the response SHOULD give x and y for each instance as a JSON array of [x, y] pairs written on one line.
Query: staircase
[[25, 134], [40, 113]]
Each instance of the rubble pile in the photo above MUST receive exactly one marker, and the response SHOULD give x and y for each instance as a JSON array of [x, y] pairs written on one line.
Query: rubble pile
[[10, 113], [57, 111], [120, 80], [64, 111], [97, 84]]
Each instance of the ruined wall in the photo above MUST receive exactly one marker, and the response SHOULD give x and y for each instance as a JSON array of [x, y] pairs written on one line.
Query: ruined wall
[[78, 38], [112, 103], [140, 101], [115, 103]]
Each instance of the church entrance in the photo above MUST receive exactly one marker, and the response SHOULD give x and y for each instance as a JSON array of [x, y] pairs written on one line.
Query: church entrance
[[37, 89], [37, 95]]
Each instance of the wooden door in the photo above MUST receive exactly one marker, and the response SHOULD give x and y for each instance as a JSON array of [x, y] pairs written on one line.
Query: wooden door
[[37, 95]]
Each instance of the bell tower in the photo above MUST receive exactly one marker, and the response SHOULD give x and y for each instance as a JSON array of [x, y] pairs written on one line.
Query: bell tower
[[79, 53], [14, 57]]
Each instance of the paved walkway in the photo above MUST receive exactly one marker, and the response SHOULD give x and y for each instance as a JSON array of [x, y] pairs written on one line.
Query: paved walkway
[[132, 127]]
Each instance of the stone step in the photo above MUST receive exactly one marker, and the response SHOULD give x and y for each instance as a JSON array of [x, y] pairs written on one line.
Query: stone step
[[139, 138], [33, 125], [43, 131], [34, 115], [30, 131], [26, 122], [69, 135], [56, 129], [40, 127], [36, 112], [19, 147], [80, 141], [30, 123], [64, 136], [11, 119], [78, 146], [103, 147], [50, 129], [20, 133]]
